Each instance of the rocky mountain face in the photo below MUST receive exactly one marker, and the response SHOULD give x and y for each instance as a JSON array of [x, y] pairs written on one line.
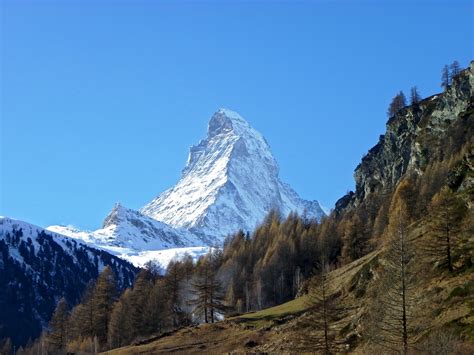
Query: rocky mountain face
[[416, 136], [230, 182], [37, 268]]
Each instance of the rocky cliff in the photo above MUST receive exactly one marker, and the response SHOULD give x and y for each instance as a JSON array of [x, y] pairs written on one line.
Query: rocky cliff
[[416, 136]]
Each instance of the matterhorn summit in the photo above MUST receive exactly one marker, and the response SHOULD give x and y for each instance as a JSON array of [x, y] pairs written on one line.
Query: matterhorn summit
[[230, 182]]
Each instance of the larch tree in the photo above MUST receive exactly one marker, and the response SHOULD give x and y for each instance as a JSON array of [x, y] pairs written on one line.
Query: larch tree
[[354, 240], [323, 321], [58, 334], [136, 302], [157, 312], [445, 77], [207, 288], [173, 281], [455, 69], [392, 316], [119, 330], [415, 97], [103, 299], [398, 102], [444, 228]]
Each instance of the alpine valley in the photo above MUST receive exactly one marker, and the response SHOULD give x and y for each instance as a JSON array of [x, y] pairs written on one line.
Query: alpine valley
[[251, 267]]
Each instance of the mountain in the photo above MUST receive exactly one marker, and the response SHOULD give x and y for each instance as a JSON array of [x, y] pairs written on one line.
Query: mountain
[[137, 238], [417, 136], [37, 268], [230, 182], [127, 228]]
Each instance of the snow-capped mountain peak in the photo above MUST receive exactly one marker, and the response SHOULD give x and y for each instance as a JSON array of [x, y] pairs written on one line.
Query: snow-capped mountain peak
[[230, 182]]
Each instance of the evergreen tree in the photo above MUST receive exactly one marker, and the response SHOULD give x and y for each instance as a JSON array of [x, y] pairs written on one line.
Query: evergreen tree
[[57, 336]]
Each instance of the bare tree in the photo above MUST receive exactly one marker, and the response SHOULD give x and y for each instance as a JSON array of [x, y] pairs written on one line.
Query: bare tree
[[209, 300], [445, 77], [392, 313], [444, 228], [415, 97], [324, 318], [455, 69]]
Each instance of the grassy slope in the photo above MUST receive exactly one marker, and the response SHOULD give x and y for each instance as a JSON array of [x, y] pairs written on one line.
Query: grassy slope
[[244, 333], [450, 301]]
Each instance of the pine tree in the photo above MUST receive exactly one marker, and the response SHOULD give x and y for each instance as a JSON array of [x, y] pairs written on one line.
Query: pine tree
[[415, 97], [57, 336]]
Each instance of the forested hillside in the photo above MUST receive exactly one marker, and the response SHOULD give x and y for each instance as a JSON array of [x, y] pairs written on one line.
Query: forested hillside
[[390, 269], [38, 268]]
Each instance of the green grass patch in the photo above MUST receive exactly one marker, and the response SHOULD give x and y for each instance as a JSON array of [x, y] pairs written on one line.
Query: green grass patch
[[273, 315]]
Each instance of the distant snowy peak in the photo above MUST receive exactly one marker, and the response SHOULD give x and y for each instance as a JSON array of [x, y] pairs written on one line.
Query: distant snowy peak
[[126, 228], [230, 182]]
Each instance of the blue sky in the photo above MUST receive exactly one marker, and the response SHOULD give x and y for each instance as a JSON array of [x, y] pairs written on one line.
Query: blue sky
[[101, 100]]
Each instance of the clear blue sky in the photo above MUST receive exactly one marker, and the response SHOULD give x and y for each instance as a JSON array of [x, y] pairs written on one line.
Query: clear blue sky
[[101, 100]]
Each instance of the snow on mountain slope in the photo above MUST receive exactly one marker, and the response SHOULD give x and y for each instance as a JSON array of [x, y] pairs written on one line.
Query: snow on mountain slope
[[130, 229], [134, 237], [38, 267], [30, 232], [230, 182]]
